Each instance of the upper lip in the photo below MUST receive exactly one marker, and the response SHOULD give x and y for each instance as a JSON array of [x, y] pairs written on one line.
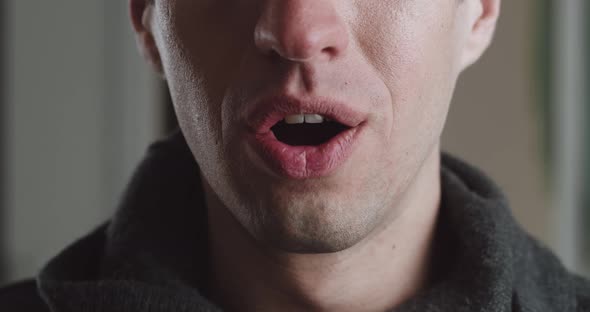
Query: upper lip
[[268, 111]]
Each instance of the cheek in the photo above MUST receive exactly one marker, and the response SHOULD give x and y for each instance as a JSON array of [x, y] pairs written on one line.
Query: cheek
[[200, 43], [415, 55]]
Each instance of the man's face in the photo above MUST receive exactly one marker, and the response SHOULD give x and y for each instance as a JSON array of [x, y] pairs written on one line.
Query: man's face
[[383, 71]]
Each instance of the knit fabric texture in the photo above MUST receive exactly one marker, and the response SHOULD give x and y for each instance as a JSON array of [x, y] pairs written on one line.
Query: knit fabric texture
[[152, 255]]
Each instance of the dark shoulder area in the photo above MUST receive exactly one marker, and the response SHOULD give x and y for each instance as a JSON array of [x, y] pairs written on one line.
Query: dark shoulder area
[[22, 296], [582, 288]]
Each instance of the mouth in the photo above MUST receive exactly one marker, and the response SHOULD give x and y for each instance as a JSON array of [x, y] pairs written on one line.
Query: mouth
[[299, 139], [307, 130]]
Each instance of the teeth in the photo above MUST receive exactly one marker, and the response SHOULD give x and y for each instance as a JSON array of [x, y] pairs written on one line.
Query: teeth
[[307, 118], [295, 119], [313, 118]]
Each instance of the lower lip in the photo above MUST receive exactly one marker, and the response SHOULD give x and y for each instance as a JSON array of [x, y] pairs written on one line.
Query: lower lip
[[303, 162]]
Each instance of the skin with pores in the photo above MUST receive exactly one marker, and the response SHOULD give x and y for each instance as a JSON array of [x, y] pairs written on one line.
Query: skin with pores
[[298, 241]]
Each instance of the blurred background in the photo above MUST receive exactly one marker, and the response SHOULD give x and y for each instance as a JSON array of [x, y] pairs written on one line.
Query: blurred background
[[78, 108]]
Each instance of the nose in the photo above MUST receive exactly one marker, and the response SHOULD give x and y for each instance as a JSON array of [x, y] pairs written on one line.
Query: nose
[[301, 30]]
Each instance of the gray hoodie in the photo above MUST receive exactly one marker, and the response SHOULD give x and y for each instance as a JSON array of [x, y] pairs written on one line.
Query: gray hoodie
[[144, 258]]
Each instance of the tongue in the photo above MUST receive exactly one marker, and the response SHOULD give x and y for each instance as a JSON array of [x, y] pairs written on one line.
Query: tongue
[[307, 134]]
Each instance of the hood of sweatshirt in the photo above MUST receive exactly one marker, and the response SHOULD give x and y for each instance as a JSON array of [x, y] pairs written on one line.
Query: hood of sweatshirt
[[153, 254]]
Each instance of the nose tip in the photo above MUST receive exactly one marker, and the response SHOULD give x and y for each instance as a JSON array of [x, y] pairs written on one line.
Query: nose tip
[[301, 30]]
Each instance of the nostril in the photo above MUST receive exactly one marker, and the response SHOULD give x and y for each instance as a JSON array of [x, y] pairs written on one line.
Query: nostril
[[301, 31], [274, 55], [330, 51]]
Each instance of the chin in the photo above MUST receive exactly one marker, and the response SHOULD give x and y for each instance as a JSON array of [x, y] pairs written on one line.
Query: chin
[[312, 216], [314, 241], [312, 227]]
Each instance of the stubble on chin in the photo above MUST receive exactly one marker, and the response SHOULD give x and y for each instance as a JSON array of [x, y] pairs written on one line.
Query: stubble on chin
[[310, 227]]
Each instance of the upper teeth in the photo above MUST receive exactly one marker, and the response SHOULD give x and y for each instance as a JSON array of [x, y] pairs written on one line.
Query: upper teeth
[[301, 118]]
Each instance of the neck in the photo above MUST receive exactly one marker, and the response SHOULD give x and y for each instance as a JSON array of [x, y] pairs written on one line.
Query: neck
[[379, 273]]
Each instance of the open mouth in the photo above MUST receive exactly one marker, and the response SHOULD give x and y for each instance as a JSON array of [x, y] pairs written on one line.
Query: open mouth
[[302, 138], [307, 130]]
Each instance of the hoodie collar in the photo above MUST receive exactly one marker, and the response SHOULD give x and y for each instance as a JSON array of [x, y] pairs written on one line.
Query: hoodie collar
[[152, 255]]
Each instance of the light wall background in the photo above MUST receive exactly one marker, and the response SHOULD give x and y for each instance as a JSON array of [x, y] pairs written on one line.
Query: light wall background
[[495, 120], [80, 109]]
